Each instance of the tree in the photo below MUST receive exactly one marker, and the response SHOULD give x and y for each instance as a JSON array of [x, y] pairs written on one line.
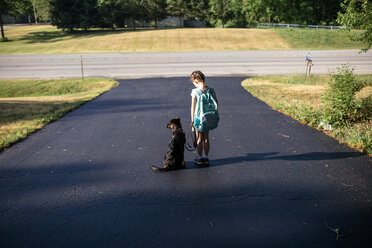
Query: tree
[[135, 11], [177, 8], [25, 7], [222, 10], [70, 14], [42, 8], [111, 13], [34, 9], [5, 6], [65, 14], [139, 11], [358, 15], [238, 12], [252, 10], [325, 11], [14, 7], [199, 9], [89, 16], [156, 10]]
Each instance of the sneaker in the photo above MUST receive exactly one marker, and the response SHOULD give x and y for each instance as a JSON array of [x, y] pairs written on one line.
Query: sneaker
[[198, 161], [205, 161]]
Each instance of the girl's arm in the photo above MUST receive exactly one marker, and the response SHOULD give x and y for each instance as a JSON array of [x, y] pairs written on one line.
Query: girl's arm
[[193, 103]]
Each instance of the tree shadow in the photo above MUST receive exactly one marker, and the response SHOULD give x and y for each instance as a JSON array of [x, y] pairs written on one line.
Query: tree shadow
[[106, 204], [60, 35], [49, 111]]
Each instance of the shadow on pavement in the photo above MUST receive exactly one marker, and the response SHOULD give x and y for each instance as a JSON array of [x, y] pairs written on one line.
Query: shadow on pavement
[[312, 156], [100, 205]]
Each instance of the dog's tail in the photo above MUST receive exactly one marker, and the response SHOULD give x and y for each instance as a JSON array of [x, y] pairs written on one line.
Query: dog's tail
[[157, 169]]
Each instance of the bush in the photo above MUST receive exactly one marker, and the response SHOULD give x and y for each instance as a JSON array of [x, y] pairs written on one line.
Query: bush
[[365, 112], [341, 105]]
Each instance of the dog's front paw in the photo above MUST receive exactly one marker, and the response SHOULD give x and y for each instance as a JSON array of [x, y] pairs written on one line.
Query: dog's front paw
[[156, 169]]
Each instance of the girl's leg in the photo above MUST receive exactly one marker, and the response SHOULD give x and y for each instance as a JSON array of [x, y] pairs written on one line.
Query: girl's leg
[[206, 143], [199, 143]]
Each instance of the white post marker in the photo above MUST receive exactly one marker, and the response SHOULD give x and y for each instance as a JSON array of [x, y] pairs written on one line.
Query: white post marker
[[82, 71]]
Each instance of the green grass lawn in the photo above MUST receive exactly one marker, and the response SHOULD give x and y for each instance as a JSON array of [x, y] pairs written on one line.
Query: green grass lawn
[[319, 39], [28, 105], [301, 99], [46, 39]]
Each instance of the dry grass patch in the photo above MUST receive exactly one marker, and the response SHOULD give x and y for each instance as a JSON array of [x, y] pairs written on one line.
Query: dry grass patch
[[47, 39], [273, 91], [365, 92], [187, 40], [28, 105]]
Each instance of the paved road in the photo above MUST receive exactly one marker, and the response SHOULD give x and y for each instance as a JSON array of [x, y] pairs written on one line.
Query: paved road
[[85, 181], [134, 65]]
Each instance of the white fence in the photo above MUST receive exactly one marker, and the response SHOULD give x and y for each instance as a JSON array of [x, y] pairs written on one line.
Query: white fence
[[281, 25]]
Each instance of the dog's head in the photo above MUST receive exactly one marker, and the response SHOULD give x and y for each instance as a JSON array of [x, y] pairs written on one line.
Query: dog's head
[[174, 123]]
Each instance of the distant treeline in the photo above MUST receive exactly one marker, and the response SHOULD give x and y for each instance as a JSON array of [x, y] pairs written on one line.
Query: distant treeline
[[85, 14]]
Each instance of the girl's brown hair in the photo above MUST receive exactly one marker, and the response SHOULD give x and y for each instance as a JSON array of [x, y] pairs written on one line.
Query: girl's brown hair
[[197, 75]]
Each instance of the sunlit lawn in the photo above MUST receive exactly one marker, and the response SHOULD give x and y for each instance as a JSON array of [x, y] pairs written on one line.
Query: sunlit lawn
[[48, 39], [28, 105], [45, 39]]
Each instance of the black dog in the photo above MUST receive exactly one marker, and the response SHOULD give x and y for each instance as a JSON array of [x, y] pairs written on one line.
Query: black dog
[[174, 158]]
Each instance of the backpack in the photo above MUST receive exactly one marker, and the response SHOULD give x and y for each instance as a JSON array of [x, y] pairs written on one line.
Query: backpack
[[206, 115]]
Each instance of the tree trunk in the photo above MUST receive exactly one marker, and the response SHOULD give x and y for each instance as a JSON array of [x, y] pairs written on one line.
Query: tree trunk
[[134, 24], [35, 12], [156, 23], [2, 28]]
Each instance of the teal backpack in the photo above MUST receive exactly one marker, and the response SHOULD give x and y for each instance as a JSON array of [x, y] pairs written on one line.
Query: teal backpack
[[206, 115]]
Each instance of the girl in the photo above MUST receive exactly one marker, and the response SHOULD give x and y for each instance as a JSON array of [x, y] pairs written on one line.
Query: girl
[[198, 79]]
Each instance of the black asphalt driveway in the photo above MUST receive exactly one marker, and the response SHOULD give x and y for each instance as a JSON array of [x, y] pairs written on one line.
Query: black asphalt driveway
[[85, 181]]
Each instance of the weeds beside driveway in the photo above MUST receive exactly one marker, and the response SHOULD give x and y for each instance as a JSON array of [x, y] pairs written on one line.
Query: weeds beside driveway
[[302, 100]]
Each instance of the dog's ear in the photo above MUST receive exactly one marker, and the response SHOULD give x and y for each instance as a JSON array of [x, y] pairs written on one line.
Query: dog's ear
[[176, 120]]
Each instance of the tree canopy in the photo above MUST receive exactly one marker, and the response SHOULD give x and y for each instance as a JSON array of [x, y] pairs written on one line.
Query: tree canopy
[[238, 13], [357, 14], [14, 7], [85, 14]]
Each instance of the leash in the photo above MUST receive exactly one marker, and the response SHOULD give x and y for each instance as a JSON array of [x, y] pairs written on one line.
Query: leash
[[191, 136]]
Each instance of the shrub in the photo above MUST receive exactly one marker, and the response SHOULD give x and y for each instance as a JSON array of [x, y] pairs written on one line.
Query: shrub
[[365, 112], [341, 105]]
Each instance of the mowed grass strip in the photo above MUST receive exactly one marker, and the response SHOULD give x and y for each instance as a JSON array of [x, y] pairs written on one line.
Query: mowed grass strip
[[301, 99], [46, 39], [28, 105]]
